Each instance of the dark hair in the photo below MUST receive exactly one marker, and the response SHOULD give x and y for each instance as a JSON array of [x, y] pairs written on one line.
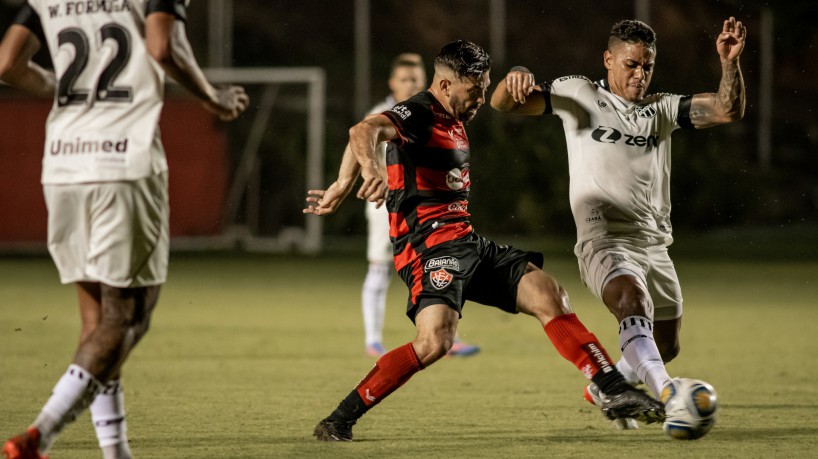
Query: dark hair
[[633, 31], [464, 58], [405, 60]]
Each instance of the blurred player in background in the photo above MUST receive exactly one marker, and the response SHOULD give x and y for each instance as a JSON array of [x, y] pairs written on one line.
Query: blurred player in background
[[619, 159], [105, 183], [407, 78], [437, 253]]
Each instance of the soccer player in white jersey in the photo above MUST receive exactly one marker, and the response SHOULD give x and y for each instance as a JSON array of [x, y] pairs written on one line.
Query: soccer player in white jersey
[[407, 78], [105, 183], [618, 140]]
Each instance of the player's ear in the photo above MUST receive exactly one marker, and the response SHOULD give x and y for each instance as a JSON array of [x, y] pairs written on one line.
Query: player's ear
[[445, 86], [607, 59]]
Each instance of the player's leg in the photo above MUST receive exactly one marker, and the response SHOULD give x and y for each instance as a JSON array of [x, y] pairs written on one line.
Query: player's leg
[[373, 301], [539, 295], [108, 408], [666, 292], [436, 326], [628, 300], [379, 273], [124, 319], [666, 334]]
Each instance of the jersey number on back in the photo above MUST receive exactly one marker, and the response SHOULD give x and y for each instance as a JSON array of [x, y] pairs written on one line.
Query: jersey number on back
[[105, 89]]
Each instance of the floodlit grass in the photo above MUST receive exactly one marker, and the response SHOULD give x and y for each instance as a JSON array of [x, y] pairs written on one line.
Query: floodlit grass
[[247, 354]]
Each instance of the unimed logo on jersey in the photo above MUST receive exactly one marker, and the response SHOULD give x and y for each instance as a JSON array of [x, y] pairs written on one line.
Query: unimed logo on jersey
[[437, 268], [605, 134]]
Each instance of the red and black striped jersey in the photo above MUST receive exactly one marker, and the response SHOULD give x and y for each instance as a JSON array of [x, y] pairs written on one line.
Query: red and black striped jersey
[[427, 165]]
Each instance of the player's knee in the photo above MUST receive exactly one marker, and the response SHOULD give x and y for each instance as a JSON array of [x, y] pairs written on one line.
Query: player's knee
[[433, 348], [629, 300]]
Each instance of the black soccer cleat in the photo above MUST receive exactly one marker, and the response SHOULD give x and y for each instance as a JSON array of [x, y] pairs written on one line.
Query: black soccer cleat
[[633, 403], [333, 430]]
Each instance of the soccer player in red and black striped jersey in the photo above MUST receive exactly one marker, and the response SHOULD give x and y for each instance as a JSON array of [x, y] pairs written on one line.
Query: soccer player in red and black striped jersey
[[437, 252]]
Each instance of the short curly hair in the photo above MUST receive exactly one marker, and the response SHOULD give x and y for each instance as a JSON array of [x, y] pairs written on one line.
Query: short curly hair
[[632, 31]]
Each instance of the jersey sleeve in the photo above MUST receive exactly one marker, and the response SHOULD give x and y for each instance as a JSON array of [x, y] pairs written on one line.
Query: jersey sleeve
[[675, 109], [683, 119], [177, 8], [29, 19], [412, 120], [560, 94]]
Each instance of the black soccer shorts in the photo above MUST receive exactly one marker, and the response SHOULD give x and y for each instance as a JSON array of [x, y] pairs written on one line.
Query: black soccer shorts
[[470, 268]]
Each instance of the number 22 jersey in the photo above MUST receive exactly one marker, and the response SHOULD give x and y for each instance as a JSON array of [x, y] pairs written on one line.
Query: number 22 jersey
[[103, 125]]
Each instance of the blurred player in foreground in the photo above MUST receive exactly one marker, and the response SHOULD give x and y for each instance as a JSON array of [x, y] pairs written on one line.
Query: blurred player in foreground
[[619, 159], [105, 184], [438, 255], [407, 78]]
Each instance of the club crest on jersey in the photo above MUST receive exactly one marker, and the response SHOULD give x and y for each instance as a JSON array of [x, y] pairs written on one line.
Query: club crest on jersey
[[648, 111], [457, 179]]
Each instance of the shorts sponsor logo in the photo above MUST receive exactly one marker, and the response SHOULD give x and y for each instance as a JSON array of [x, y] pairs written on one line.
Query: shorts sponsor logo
[[601, 104], [440, 279], [450, 263], [437, 268]]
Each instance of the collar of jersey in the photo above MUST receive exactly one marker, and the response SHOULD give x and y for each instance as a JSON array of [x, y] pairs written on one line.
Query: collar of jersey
[[626, 105]]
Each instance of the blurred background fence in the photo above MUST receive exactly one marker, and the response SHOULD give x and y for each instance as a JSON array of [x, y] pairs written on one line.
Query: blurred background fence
[[243, 184]]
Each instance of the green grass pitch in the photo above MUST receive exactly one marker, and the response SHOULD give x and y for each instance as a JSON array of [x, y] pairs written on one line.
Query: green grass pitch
[[247, 354]]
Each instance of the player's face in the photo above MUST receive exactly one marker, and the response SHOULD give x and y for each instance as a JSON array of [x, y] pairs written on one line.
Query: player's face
[[406, 82], [467, 95], [630, 68]]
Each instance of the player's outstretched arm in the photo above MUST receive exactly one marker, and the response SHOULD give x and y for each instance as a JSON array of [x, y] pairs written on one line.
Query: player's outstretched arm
[[364, 138], [16, 68], [726, 105], [167, 42], [512, 94], [326, 202]]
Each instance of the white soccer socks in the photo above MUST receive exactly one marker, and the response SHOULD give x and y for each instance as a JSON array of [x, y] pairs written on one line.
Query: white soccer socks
[[627, 372], [73, 393], [108, 416], [641, 353], [373, 299]]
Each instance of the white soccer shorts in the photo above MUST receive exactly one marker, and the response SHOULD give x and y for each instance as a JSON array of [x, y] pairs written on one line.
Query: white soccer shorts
[[115, 233], [378, 246], [603, 259]]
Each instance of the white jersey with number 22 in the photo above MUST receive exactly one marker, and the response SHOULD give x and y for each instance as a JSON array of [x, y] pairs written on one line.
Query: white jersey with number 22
[[103, 125]]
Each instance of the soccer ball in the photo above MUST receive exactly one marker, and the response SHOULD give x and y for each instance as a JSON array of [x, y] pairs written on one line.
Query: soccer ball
[[690, 406]]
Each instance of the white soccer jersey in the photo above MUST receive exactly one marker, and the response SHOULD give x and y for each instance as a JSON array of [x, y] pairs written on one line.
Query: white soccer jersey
[[103, 125], [618, 157]]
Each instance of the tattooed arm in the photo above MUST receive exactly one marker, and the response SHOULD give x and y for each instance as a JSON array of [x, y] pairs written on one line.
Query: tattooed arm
[[726, 105]]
